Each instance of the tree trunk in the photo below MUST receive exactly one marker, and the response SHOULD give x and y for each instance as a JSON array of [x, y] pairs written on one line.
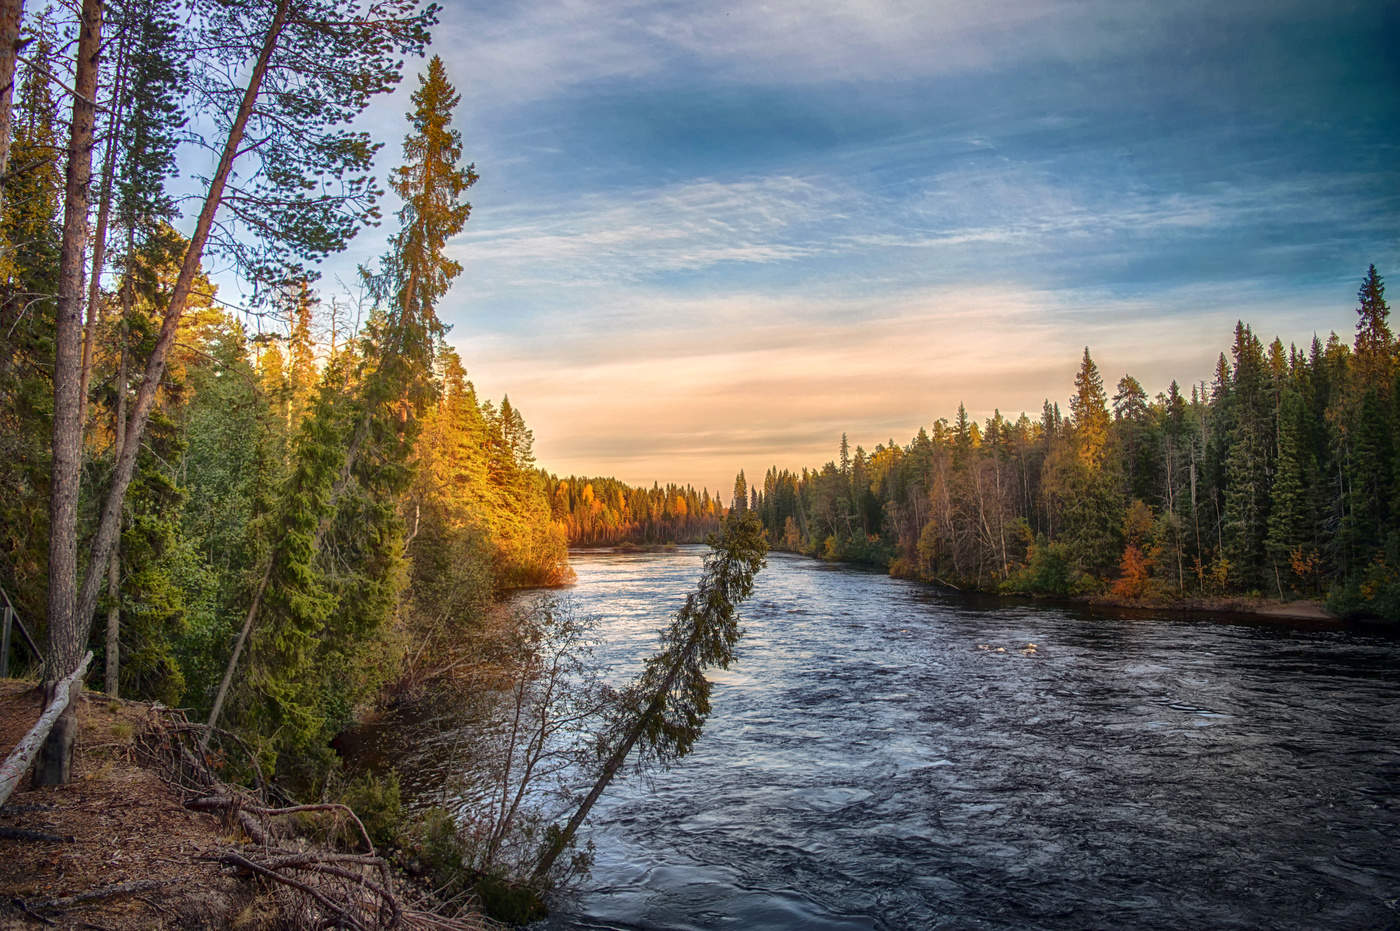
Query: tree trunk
[[99, 239], [105, 539], [113, 655], [248, 622], [67, 633], [614, 763], [11, 12]]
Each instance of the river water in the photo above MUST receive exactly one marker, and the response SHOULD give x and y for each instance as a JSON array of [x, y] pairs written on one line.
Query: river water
[[868, 764]]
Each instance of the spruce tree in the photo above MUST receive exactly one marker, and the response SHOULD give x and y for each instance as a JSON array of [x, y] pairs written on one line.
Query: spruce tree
[[1375, 344], [353, 456], [664, 710], [1089, 407], [1289, 527], [1373, 440], [1093, 506], [29, 245]]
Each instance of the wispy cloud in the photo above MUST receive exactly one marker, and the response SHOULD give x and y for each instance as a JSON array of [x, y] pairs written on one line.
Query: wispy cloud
[[526, 51], [639, 234]]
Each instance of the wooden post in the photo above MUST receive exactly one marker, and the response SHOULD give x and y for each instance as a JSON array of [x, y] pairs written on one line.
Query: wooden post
[[20, 758], [17, 621], [5, 646]]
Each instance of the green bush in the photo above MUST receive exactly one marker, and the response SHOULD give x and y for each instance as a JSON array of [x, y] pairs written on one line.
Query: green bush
[[438, 847], [1049, 571], [377, 803], [510, 902]]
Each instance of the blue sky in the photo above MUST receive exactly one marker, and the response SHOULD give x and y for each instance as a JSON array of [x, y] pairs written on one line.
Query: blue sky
[[714, 236]]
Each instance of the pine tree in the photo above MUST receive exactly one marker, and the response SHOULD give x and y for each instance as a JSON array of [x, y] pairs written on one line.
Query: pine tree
[[68, 621], [140, 159]]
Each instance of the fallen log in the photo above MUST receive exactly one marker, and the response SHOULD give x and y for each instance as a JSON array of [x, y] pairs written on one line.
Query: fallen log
[[22, 756], [106, 892], [39, 836]]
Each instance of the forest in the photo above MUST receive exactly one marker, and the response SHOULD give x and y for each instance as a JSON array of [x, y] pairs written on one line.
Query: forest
[[269, 512], [605, 511], [1279, 479]]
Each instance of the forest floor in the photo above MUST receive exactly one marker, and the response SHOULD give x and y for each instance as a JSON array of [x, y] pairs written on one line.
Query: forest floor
[[117, 825], [117, 848]]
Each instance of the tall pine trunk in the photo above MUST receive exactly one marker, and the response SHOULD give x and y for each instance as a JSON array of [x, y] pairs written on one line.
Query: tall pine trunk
[[11, 12], [105, 540], [99, 237], [113, 653], [67, 632]]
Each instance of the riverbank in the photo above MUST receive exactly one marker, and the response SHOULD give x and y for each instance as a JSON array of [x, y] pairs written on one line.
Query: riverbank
[[1263, 608], [114, 848], [1238, 605], [128, 845]]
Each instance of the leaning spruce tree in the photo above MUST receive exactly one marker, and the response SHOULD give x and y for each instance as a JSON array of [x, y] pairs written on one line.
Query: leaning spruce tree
[[664, 710]]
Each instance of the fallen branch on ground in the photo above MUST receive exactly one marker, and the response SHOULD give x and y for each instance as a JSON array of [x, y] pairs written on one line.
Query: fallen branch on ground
[[106, 892], [22, 756]]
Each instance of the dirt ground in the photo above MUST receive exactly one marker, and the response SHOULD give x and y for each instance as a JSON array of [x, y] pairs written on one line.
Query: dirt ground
[[118, 830]]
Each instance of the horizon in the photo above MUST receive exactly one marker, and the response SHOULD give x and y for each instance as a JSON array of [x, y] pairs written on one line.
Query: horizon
[[713, 240]]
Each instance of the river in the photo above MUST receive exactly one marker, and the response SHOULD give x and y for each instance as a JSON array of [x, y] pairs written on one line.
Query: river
[[873, 760]]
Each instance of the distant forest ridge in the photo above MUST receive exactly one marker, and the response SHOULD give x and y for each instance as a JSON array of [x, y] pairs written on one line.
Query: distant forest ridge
[[605, 511], [1281, 478]]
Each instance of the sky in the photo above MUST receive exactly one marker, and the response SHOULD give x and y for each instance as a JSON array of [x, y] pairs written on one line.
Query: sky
[[717, 236]]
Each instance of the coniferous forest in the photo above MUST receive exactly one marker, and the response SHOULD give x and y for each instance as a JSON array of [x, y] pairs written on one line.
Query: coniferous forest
[[598, 511], [1280, 478], [264, 512]]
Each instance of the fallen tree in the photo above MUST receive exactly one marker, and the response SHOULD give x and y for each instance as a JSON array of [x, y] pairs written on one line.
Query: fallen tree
[[22, 756]]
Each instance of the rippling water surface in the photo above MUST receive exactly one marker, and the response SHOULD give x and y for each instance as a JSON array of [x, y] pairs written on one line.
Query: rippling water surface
[[866, 765]]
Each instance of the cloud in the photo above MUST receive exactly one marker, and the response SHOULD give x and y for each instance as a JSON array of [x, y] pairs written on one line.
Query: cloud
[[713, 236], [641, 234], [522, 52]]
